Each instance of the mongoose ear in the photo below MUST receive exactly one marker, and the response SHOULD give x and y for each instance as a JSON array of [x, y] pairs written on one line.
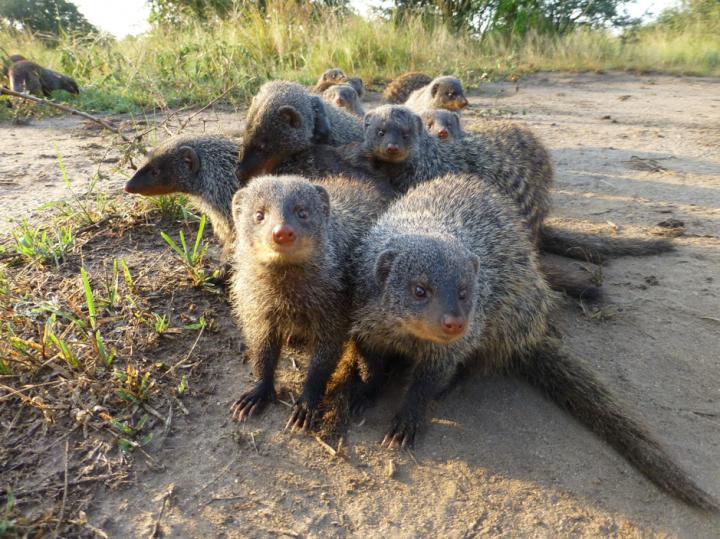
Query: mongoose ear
[[237, 201], [325, 198], [289, 115], [321, 131], [383, 265], [418, 124], [190, 158], [434, 89], [367, 119]]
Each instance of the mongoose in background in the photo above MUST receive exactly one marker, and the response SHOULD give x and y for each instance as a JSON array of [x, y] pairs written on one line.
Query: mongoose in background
[[329, 78], [398, 91], [440, 93], [357, 85], [443, 124], [505, 154], [283, 119], [201, 167], [447, 276], [294, 240], [344, 96], [26, 76]]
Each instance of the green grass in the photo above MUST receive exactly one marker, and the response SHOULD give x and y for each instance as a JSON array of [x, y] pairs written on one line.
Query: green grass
[[202, 61]]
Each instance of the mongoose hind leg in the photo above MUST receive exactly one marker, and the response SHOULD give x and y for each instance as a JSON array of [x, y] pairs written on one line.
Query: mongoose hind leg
[[265, 359]]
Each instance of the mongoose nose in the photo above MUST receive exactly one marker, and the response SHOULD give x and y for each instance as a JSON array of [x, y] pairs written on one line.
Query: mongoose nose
[[392, 149], [443, 133], [453, 325], [340, 102], [283, 234], [463, 102]]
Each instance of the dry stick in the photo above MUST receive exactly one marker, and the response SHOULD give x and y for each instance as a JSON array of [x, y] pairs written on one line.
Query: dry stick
[[67, 109], [184, 124]]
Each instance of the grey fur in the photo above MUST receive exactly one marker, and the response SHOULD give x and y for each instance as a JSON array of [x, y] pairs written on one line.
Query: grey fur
[[302, 292], [443, 124], [211, 187], [284, 119], [440, 93], [398, 91], [357, 85], [344, 96], [457, 240]]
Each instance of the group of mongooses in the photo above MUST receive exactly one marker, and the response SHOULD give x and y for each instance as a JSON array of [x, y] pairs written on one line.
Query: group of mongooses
[[398, 238], [28, 77]]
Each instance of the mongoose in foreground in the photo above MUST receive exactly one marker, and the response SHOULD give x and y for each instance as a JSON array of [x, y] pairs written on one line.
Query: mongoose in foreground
[[441, 123], [11, 60], [344, 96], [440, 93], [26, 76], [505, 154], [291, 279], [398, 91], [446, 277], [203, 168], [283, 119]]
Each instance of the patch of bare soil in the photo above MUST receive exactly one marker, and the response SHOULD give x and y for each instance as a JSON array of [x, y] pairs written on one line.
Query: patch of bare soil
[[497, 459]]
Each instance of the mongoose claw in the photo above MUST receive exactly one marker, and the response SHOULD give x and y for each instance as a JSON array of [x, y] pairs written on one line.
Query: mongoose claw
[[251, 403], [302, 418], [400, 435]]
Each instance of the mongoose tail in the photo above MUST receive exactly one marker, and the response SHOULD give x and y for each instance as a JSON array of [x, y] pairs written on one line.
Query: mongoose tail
[[596, 247], [573, 387], [572, 277]]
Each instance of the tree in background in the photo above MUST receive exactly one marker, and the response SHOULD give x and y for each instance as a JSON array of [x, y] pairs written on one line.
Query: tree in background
[[44, 16], [513, 17]]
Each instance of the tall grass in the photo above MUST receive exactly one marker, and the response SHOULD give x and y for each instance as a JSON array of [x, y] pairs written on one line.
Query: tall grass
[[191, 64]]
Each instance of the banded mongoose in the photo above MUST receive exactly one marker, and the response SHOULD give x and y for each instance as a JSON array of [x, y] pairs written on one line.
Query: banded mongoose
[[447, 276], [329, 78], [283, 119], [443, 124], [29, 77], [502, 153], [344, 96], [201, 167], [440, 93], [11, 60], [398, 91], [357, 85], [294, 241]]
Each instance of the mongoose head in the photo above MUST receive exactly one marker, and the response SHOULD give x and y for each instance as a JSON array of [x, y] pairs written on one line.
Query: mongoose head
[[392, 132], [69, 85], [283, 119], [441, 123], [282, 220], [428, 287], [357, 85], [334, 75], [447, 93], [172, 167], [17, 58], [342, 96]]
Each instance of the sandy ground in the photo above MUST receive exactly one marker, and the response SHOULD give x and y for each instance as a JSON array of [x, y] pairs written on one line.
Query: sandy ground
[[497, 459]]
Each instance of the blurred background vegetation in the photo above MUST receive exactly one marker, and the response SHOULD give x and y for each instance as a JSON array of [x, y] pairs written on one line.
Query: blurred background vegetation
[[198, 49]]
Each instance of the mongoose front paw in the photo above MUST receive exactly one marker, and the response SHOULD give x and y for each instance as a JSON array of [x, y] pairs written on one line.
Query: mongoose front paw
[[302, 417], [401, 433], [252, 402]]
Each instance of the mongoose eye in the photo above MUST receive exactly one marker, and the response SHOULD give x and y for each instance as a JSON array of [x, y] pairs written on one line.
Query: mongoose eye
[[420, 292], [155, 172], [259, 216], [406, 135], [381, 133], [462, 293], [301, 213]]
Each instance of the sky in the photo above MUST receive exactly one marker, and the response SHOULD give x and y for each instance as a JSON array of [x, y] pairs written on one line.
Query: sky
[[123, 17]]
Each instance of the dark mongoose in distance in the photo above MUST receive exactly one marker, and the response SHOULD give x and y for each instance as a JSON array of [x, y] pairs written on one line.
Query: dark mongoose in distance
[[26, 76], [440, 93], [283, 119], [294, 241], [447, 276], [344, 96], [441, 123], [201, 167], [357, 85], [398, 91]]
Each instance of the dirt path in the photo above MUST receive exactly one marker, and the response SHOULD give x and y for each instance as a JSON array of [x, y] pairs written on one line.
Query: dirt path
[[498, 459]]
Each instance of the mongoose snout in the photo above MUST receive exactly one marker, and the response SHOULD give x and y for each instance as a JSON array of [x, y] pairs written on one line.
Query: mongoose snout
[[453, 325], [283, 234]]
